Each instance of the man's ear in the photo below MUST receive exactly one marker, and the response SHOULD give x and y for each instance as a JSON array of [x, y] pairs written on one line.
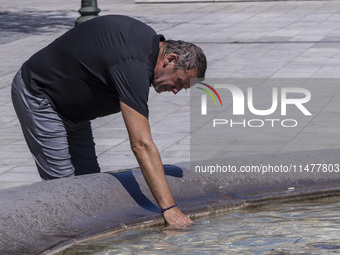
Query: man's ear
[[171, 59]]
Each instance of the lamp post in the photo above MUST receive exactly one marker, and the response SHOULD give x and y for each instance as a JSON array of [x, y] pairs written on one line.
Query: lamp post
[[89, 10]]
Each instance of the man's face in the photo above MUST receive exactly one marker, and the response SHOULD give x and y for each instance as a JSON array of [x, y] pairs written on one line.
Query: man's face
[[167, 78]]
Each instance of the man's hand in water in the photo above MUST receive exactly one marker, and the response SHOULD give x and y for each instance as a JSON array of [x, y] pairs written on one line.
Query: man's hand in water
[[175, 217]]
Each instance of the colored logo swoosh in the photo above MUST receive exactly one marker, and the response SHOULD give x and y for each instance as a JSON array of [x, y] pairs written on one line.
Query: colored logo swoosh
[[209, 93]]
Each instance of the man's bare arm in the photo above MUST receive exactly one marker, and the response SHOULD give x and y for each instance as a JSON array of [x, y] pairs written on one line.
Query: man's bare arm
[[150, 163]]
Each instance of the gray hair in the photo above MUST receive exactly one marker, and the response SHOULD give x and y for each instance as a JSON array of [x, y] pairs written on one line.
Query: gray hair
[[190, 56]]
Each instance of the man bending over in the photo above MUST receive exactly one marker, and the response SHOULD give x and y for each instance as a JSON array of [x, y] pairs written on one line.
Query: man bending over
[[101, 67]]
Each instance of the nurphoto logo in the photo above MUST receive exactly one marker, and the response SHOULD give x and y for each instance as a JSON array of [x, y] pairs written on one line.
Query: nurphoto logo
[[280, 99]]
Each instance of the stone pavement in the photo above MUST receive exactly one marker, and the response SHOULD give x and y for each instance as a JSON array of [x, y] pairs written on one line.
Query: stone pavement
[[288, 39]]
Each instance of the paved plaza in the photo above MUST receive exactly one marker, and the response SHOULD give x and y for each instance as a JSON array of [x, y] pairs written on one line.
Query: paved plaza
[[277, 39]]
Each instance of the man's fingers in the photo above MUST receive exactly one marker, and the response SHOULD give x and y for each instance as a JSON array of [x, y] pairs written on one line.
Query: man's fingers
[[176, 218]]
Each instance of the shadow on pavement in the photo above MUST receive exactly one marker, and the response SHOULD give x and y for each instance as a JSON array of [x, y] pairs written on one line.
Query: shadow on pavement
[[17, 25]]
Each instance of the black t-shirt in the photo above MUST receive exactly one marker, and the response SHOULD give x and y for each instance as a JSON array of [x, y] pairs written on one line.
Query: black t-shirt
[[88, 70]]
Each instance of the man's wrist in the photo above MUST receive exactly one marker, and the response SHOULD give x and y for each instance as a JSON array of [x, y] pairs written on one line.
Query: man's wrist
[[168, 208]]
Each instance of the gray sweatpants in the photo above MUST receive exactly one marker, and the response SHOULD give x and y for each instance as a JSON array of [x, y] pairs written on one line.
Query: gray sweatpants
[[60, 147]]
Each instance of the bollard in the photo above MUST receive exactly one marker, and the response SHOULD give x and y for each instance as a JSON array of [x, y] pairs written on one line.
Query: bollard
[[89, 10]]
